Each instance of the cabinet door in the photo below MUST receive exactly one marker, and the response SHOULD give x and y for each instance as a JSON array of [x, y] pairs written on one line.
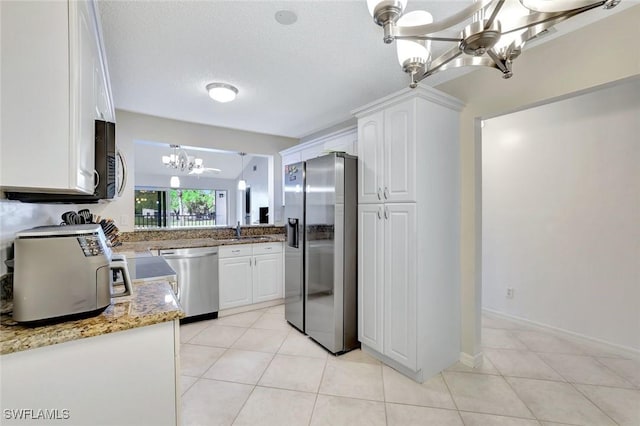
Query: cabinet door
[[400, 153], [235, 282], [267, 277], [370, 158], [84, 60], [400, 339], [370, 274]]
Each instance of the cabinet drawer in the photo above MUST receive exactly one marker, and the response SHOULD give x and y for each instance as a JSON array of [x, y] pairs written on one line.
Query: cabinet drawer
[[234, 251], [267, 248]]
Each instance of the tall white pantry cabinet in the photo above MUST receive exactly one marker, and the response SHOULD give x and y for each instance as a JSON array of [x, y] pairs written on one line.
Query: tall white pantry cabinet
[[408, 231]]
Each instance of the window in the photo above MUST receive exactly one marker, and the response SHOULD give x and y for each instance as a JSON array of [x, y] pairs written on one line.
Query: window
[[177, 208]]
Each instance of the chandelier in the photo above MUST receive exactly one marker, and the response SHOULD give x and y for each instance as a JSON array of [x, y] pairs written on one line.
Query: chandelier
[[494, 38], [179, 160]]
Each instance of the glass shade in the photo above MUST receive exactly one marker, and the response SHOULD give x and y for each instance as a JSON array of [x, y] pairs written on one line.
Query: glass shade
[[410, 49], [371, 4], [174, 182], [198, 162], [222, 92], [165, 159], [550, 6]]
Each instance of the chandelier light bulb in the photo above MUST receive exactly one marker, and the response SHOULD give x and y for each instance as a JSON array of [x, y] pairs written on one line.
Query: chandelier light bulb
[[415, 51], [222, 92], [198, 162]]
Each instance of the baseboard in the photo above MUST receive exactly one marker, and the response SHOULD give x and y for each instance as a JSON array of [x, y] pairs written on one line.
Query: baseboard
[[472, 361], [621, 350], [247, 308]]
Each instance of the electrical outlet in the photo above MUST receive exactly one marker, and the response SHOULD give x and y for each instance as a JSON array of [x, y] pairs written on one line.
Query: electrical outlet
[[509, 292]]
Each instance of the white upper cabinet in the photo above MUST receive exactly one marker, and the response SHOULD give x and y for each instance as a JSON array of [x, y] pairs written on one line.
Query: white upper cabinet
[[55, 85], [370, 164], [386, 143]]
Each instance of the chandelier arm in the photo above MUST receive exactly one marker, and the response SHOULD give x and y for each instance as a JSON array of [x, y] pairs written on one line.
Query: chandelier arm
[[548, 19], [500, 63], [494, 14], [440, 61], [421, 30], [433, 38]]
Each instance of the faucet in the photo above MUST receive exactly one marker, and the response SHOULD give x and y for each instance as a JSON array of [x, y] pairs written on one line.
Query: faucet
[[238, 229]]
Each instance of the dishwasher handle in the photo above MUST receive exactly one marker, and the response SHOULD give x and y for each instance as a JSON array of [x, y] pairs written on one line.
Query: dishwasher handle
[[172, 255]]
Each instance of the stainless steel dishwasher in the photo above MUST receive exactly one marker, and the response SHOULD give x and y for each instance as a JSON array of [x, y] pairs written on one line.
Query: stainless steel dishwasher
[[197, 271]]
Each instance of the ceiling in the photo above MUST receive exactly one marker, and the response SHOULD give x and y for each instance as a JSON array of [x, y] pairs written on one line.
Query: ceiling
[[293, 80]]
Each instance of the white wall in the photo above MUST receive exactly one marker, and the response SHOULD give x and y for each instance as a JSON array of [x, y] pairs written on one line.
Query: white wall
[[561, 214], [258, 180], [600, 53]]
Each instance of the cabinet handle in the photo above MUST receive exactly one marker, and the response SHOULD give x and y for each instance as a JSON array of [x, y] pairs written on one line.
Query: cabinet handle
[[386, 213], [379, 214], [386, 193], [235, 251], [379, 193], [268, 248]]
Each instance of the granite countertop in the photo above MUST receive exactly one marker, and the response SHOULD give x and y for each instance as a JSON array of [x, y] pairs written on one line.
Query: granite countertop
[[151, 303], [145, 246]]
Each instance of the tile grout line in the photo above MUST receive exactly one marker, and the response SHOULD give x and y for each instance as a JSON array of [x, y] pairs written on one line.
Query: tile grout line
[[384, 397], [315, 402], [455, 404], [561, 375]]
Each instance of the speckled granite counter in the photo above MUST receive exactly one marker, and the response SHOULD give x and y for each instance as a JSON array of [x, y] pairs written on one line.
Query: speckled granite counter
[[144, 246], [151, 303]]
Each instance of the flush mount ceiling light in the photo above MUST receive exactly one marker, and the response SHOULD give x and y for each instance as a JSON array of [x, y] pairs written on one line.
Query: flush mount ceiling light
[[494, 38], [179, 160], [222, 92]]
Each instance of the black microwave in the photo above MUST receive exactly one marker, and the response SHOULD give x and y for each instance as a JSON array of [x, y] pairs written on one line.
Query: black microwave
[[110, 170]]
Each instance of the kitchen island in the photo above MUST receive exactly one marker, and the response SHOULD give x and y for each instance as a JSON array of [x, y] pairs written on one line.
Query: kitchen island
[[119, 367]]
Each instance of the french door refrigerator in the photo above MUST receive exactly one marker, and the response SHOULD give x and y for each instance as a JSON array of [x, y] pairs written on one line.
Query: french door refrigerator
[[321, 251]]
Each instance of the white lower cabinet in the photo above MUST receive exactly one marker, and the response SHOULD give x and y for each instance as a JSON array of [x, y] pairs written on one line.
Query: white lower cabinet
[[250, 273], [387, 280], [236, 282], [267, 277], [130, 377]]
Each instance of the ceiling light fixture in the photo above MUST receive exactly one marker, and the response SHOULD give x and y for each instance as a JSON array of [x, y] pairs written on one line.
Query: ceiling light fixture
[[222, 92], [179, 160], [242, 184], [494, 38]]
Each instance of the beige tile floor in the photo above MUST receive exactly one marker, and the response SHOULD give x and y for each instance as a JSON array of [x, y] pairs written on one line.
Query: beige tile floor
[[255, 369]]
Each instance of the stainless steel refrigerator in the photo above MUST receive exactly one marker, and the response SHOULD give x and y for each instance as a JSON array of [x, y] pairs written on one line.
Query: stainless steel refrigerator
[[321, 251]]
